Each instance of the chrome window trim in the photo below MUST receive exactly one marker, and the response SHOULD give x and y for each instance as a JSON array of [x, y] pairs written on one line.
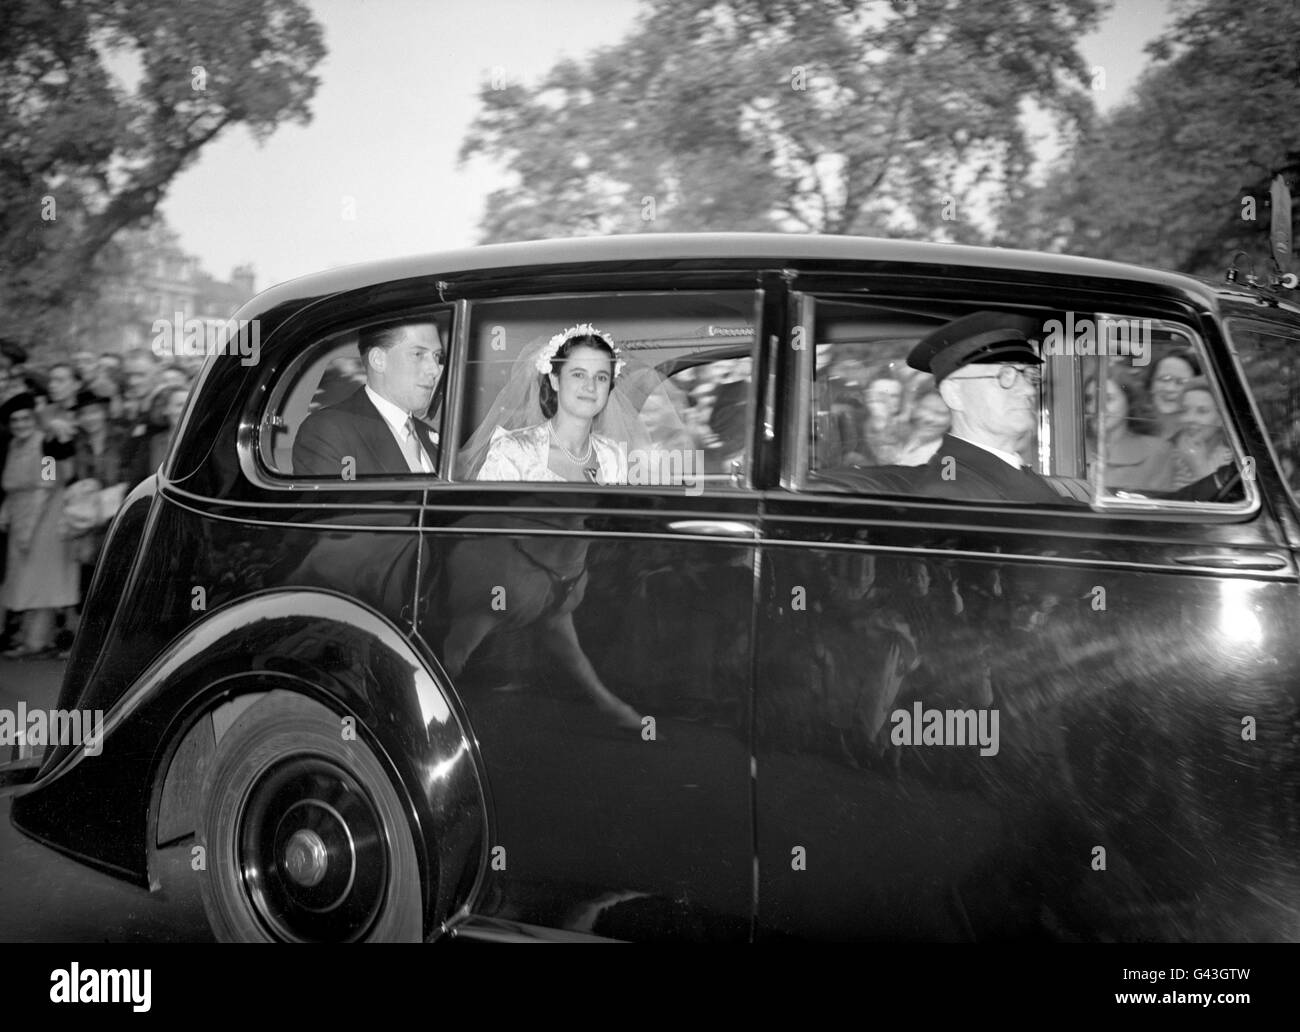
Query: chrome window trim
[[271, 382], [797, 436], [455, 374], [1284, 574]]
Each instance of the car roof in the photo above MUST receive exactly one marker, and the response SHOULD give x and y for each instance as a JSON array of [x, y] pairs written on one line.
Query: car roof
[[749, 248]]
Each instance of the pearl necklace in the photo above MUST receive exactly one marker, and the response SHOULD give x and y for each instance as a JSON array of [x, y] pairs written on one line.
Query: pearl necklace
[[559, 444]]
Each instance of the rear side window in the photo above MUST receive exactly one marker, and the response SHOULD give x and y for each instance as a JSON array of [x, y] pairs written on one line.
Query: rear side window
[[1156, 427], [677, 413], [325, 377]]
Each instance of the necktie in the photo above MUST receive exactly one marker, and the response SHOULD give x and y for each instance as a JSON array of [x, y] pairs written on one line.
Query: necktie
[[416, 457]]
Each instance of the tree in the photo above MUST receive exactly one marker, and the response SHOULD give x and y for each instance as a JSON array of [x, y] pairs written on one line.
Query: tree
[[1179, 176], [840, 117], [84, 152]]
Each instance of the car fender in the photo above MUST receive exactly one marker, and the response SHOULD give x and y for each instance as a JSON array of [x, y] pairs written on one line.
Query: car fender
[[104, 809]]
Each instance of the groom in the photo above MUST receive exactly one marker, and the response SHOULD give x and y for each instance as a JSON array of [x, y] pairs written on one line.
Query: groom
[[378, 429]]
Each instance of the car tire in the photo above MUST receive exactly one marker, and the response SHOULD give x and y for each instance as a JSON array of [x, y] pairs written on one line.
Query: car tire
[[305, 837]]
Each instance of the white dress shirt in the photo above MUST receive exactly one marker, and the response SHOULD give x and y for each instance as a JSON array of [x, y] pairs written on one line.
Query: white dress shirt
[[1010, 458], [398, 420]]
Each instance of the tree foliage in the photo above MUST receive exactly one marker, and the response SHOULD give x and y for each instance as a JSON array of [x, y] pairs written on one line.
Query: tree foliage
[[852, 116], [1178, 177], [103, 103]]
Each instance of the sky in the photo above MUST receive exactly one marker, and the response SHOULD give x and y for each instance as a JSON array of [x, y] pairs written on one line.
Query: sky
[[375, 174]]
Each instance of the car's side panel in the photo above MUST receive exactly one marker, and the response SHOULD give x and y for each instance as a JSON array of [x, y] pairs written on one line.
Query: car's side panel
[[625, 829], [192, 556], [112, 582], [1134, 783]]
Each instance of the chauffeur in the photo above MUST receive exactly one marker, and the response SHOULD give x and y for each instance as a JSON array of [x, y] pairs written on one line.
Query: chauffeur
[[987, 371]]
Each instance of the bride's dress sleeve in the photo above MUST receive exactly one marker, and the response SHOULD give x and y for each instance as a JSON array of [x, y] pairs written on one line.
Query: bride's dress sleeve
[[505, 460]]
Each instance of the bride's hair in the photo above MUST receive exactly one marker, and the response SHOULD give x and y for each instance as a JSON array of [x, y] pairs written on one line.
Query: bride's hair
[[548, 399]]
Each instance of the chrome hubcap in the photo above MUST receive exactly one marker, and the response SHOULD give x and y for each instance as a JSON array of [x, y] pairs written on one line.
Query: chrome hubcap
[[313, 853], [305, 857]]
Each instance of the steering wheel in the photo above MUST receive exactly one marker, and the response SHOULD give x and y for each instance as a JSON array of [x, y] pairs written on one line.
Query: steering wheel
[[1226, 483], [1215, 487]]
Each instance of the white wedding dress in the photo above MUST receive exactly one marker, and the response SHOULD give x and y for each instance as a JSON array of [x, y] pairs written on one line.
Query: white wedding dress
[[524, 454]]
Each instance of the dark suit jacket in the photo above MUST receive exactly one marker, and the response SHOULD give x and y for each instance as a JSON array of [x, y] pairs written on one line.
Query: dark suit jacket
[[106, 467], [978, 474], [137, 449], [353, 427]]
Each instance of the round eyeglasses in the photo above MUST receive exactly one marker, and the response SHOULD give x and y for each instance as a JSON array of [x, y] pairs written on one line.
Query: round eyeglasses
[[1008, 374]]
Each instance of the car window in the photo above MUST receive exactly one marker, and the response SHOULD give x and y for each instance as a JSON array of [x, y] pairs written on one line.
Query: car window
[[876, 425], [677, 414], [867, 401], [327, 374], [1270, 355], [1157, 427], [716, 413], [874, 422]]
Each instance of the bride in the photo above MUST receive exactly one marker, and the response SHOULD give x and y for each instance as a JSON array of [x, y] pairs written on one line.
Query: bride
[[571, 410], [575, 373], [542, 426]]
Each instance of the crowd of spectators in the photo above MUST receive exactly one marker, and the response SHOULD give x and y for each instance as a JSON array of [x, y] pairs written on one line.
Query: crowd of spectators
[[1161, 424], [878, 416], [76, 435], [1162, 427]]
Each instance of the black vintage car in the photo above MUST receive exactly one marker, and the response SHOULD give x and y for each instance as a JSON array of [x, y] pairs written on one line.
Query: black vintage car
[[382, 707]]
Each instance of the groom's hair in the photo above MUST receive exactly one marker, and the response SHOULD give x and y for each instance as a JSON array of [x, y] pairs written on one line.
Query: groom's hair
[[548, 399], [382, 336]]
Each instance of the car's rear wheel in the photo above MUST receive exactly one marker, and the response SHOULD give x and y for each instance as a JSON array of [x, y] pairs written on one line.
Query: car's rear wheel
[[305, 836]]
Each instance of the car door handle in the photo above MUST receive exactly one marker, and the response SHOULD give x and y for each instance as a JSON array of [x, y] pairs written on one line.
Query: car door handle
[[1234, 561], [715, 528]]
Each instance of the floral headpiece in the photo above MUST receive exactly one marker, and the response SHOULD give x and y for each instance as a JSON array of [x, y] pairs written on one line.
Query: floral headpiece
[[547, 355]]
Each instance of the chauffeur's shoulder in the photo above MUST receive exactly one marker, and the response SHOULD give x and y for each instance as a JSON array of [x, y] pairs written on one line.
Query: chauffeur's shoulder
[[958, 469]]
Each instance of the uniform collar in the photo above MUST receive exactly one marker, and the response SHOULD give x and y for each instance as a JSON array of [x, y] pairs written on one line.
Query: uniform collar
[[1010, 458]]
